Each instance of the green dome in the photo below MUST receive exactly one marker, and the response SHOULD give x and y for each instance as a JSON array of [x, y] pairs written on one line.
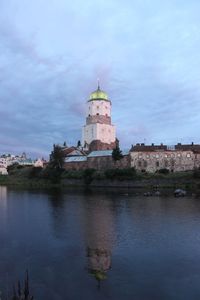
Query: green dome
[[98, 95]]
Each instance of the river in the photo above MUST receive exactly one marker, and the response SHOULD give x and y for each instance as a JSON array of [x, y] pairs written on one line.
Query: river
[[100, 245]]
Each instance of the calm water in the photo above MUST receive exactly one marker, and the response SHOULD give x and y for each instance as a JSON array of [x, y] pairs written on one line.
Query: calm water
[[80, 245]]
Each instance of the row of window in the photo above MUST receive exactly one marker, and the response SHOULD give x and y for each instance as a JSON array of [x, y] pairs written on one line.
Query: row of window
[[98, 115], [97, 107], [144, 163], [188, 155]]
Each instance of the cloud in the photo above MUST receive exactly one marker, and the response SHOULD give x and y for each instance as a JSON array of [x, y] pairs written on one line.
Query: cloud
[[51, 55]]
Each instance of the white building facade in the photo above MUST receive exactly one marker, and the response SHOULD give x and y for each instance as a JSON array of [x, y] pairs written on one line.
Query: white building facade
[[98, 120]]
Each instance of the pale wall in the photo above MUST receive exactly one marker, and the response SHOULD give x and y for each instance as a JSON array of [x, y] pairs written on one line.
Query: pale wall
[[99, 107], [172, 160]]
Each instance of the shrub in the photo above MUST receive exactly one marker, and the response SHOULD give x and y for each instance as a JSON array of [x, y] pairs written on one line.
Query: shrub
[[88, 175], [121, 174], [35, 172], [163, 171], [196, 173]]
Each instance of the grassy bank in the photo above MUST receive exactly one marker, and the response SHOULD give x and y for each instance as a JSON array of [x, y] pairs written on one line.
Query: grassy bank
[[39, 178]]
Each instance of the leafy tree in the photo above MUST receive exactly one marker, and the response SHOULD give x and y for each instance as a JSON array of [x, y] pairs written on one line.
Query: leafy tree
[[79, 144], [117, 153], [88, 175], [57, 157]]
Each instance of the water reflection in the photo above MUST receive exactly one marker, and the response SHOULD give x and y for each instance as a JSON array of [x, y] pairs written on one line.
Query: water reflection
[[57, 205], [3, 196], [99, 231], [3, 205]]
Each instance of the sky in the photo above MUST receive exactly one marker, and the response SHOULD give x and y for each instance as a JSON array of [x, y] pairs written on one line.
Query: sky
[[146, 54]]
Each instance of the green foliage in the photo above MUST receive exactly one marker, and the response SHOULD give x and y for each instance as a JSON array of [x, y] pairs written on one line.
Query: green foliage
[[73, 174], [196, 173], [79, 144], [52, 174], [121, 174], [163, 171], [12, 168], [57, 158], [117, 153], [88, 175], [35, 172]]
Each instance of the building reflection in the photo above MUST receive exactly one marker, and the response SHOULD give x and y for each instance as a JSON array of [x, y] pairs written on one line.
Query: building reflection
[[99, 231], [3, 196], [3, 206]]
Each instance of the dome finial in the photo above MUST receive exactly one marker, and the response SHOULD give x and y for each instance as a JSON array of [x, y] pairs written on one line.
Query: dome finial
[[98, 84]]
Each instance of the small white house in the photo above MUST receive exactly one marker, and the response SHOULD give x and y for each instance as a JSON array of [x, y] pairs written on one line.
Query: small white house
[[3, 170], [39, 163]]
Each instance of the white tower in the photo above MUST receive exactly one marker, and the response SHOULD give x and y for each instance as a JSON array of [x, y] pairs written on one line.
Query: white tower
[[98, 126]]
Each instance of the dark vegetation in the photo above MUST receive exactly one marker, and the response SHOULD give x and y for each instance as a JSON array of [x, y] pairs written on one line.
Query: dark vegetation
[[21, 291], [117, 153], [55, 174]]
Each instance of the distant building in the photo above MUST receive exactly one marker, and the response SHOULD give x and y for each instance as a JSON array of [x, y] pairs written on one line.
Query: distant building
[[39, 163], [99, 160], [99, 139], [3, 170], [155, 157], [98, 133]]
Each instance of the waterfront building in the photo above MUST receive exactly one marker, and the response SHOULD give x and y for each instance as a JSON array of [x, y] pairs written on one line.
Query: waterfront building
[[152, 158], [98, 133]]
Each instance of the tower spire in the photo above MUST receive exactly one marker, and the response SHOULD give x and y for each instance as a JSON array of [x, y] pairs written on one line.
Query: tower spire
[[98, 84]]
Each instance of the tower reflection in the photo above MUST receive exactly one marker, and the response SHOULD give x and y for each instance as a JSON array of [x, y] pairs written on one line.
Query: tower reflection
[[3, 196], [99, 235]]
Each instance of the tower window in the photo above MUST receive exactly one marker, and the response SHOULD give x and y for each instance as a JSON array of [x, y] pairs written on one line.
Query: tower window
[[97, 114]]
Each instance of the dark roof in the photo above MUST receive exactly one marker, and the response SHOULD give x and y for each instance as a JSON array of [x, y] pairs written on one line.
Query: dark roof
[[152, 147], [188, 147]]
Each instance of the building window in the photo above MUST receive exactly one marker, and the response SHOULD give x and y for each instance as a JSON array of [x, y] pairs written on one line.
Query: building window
[[166, 163], [145, 163], [157, 164], [139, 163], [179, 155], [97, 107], [140, 156], [157, 155], [147, 156], [97, 114], [172, 163], [188, 155]]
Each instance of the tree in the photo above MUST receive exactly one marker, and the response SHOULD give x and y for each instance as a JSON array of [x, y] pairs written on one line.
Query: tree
[[117, 153], [57, 157], [79, 144], [64, 144]]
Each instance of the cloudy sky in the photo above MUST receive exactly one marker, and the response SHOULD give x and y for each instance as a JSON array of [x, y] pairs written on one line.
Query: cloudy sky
[[145, 52]]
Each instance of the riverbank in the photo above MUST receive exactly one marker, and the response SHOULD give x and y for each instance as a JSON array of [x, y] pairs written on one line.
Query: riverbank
[[124, 178]]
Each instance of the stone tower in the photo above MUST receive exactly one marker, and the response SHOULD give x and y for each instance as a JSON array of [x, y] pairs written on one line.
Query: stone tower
[[98, 133]]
